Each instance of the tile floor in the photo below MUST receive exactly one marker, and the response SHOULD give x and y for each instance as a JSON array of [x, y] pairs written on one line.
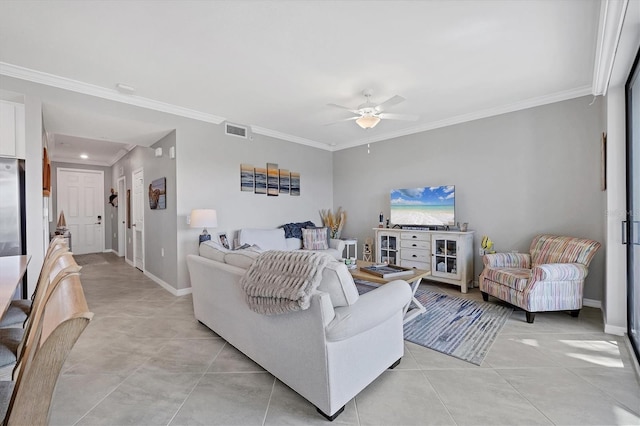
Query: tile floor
[[145, 360]]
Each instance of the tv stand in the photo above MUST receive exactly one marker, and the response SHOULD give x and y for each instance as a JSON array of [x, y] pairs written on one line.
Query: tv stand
[[447, 254]]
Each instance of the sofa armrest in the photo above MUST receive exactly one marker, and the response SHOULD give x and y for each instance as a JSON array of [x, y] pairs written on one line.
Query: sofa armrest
[[336, 244], [371, 309], [507, 260], [559, 272]]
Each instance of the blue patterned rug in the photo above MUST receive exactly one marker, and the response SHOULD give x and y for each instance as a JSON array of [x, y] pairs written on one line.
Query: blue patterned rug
[[461, 328]]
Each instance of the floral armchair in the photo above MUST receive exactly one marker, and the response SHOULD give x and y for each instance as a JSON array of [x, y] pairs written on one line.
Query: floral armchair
[[549, 278]]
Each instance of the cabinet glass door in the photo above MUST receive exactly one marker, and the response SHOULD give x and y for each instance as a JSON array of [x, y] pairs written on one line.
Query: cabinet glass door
[[388, 249], [445, 252]]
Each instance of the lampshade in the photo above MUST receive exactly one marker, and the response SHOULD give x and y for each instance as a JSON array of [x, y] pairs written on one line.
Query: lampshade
[[204, 218], [368, 121]]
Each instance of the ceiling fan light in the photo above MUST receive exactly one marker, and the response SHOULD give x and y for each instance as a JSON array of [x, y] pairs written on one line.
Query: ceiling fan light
[[368, 121]]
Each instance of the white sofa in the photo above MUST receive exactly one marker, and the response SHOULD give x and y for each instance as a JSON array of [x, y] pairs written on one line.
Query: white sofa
[[274, 239], [327, 353]]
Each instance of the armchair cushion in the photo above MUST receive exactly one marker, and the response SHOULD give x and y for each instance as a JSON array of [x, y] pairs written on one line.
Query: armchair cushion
[[507, 260], [559, 272], [557, 249], [516, 278]]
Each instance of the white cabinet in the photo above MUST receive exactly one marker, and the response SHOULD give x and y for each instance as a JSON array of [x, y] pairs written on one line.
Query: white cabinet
[[448, 255], [12, 130]]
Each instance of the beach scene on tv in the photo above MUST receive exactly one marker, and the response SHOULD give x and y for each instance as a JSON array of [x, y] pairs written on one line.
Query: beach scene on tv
[[427, 206]]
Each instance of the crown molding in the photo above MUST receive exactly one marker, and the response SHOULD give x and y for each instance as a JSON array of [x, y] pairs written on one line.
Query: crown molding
[[612, 13], [490, 112], [291, 138], [22, 73]]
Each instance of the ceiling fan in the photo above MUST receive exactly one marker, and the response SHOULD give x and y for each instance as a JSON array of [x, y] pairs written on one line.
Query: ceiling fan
[[369, 114]]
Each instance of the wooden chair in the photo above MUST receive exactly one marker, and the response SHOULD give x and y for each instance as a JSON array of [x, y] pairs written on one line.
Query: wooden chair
[[18, 311], [13, 340], [65, 316]]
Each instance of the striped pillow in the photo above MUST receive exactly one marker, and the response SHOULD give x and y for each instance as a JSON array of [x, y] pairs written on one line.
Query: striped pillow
[[315, 238]]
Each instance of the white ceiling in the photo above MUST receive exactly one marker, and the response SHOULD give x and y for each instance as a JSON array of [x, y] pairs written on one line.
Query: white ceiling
[[275, 65]]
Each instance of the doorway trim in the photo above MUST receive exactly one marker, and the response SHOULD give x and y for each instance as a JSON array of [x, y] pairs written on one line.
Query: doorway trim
[[137, 206], [122, 208], [100, 198]]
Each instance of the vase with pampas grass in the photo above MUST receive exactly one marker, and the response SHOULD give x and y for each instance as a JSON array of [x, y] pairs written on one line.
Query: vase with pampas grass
[[334, 221]]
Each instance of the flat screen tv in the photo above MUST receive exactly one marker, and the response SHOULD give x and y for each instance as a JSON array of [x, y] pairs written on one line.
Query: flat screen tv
[[430, 206]]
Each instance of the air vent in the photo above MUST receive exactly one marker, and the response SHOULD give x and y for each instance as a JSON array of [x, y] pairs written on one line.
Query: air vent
[[235, 130]]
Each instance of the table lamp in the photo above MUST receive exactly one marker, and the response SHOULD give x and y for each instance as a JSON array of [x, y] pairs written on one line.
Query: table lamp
[[204, 218]]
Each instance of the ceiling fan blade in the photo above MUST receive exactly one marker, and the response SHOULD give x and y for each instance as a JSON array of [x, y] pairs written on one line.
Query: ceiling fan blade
[[405, 117], [389, 103], [342, 121], [355, 111]]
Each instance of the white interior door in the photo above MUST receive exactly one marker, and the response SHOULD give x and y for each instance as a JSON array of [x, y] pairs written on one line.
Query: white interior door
[[81, 198], [137, 219], [122, 226]]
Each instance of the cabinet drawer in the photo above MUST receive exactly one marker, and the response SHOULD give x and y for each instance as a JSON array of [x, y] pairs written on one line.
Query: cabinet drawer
[[417, 255], [415, 237], [414, 264], [416, 244]]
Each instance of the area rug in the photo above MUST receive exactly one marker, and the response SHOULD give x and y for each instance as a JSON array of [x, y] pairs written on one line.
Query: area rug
[[461, 328], [90, 259]]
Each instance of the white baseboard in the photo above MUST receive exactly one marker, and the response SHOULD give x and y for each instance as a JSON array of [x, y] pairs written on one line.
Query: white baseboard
[[168, 287], [591, 303], [130, 263], [110, 251], [614, 329]]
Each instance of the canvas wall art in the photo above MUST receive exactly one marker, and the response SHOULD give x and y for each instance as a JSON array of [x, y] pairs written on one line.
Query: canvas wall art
[[269, 180], [158, 194], [246, 178], [272, 179], [260, 176]]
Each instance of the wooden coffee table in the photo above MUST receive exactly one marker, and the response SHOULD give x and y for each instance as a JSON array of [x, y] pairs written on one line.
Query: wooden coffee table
[[410, 312]]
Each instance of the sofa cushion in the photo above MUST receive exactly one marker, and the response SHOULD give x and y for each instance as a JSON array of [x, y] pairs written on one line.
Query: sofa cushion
[[266, 239], [315, 238], [338, 282], [212, 250], [242, 258], [293, 243]]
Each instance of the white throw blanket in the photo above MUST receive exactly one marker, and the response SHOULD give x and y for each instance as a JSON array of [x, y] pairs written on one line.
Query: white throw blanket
[[283, 281]]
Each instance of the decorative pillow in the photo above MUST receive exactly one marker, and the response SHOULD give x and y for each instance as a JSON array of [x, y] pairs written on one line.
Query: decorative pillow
[[294, 230], [315, 238]]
